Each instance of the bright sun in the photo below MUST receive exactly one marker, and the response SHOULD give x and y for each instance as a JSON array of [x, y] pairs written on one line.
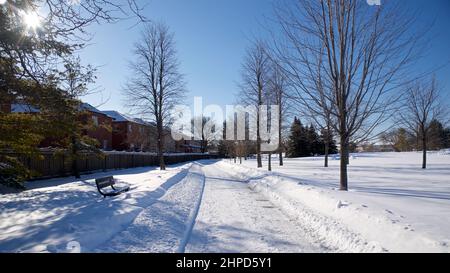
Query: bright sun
[[31, 20]]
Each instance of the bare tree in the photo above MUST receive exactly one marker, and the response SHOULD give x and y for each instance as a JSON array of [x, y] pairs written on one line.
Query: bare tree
[[343, 58], [422, 106], [156, 85], [204, 128], [278, 87], [255, 76], [240, 149]]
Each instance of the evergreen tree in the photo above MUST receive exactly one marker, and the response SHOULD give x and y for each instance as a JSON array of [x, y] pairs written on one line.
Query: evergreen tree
[[304, 142], [327, 139], [293, 149], [446, 142], [332, 146], [437, 136], [21, 133], [313, 142]]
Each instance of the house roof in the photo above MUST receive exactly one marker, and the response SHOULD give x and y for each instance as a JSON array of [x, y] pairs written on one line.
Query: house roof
[[23, 108], [90, 108], [26, 108], [119, 117]]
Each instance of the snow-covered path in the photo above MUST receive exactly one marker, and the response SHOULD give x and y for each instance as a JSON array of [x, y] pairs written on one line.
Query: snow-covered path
[[165, 225], [218, 206], [233, 218]]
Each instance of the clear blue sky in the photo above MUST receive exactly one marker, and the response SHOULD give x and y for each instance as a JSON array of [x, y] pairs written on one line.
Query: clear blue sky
[[212, 36]]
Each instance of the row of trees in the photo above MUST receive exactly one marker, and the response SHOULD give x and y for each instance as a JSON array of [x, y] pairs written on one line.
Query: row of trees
[[403, 140], [345, 66], [264, 84], [305, 141]]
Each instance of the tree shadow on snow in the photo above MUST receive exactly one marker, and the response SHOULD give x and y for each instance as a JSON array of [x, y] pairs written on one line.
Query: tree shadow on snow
[[75, 211]]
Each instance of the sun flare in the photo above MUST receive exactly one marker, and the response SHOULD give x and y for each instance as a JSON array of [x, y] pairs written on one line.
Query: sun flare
[[31, 20]]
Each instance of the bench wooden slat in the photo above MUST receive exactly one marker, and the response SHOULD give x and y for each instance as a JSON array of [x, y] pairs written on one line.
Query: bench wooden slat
[[109, 181], [105, 182]]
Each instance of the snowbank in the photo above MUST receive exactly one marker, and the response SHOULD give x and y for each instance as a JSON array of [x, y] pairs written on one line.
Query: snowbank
[[166, 225], [55, 213], [354, 221]]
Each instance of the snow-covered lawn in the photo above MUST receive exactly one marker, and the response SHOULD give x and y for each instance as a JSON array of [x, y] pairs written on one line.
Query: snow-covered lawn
[[54, 212], [221, 206], [392, 205]]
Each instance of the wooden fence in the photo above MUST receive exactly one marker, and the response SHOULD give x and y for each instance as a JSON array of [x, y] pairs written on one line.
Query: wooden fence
[[59, 165]]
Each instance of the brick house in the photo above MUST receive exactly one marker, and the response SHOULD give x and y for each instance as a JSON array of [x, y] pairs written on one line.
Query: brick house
[[130, 134], [102, 125], [134, 134], [189, 146], [100, 131]]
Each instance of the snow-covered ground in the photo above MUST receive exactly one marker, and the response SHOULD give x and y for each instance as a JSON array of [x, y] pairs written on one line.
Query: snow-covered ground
[[221, 206], [53, 213], [234, 218], [393, 205]]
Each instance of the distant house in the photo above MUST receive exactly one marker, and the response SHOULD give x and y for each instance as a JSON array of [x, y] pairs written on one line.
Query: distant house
[[185, 145], [116, 131], [189, 146], [102, 124], [100, 131], [370, 147], [135, 134], [130, 134]]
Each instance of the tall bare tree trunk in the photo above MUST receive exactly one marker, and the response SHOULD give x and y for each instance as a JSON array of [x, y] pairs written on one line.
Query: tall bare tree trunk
[[347, 157], [343, 168], [280, 149], [269, 165], [424, 152], [258, 142], [327, 142], [162, 164]]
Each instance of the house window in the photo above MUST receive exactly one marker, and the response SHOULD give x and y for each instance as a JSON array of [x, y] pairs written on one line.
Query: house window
[[95, 120], [105, 144], [130, 128]]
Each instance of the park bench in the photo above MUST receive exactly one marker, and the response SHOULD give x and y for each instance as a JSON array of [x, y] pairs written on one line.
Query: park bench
[[109, 181]]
